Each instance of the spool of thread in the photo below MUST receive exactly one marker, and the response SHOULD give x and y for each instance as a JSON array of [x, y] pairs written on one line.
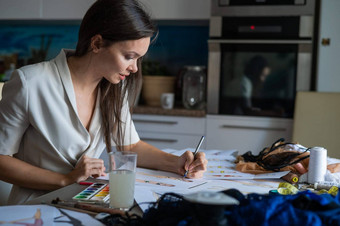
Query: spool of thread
[[303, 178], [291, 178], [317, 165], [300, 168]]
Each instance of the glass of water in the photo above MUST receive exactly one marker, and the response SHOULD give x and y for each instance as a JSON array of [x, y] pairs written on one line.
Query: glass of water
[[122, 175]]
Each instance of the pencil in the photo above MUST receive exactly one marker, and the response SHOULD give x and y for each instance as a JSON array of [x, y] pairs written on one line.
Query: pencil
[[196, 150]]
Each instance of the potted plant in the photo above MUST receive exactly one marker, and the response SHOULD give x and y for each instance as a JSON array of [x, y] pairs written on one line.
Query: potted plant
[[156, 80]]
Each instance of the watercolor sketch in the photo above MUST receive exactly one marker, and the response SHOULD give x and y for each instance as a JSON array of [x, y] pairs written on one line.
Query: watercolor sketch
[[43, 215]]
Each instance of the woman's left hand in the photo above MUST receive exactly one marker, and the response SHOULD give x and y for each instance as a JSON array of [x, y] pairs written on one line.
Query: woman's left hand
[[195, 166]]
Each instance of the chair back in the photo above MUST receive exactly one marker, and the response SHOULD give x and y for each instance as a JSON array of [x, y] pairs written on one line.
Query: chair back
[[317, 121]]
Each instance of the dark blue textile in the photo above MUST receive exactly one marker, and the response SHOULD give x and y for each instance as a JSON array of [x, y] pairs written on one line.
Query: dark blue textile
[[304, 208]]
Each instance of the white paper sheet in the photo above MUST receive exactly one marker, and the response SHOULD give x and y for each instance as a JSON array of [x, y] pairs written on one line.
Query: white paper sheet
[[43, 215], [221, 166], [220, 175], [145, 196]]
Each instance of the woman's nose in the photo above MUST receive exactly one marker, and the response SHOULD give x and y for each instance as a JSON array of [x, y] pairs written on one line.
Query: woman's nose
[[133, 68]]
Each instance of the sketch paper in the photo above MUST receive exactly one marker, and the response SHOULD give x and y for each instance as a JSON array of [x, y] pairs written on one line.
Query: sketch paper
[[220, 175], [244, 186], [38, 215], [221, 166], [161, 179], [234, 175], [145, 196], [177, 181]]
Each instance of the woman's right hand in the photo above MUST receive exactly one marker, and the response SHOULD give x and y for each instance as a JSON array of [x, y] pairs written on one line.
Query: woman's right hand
[[18, 172], [86, 168]]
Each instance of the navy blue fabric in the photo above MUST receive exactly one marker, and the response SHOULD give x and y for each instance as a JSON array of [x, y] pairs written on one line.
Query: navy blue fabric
[[304, 208]]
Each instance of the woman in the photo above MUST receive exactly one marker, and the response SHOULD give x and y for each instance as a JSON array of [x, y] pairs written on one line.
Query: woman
[[58, 116], [243, 88]]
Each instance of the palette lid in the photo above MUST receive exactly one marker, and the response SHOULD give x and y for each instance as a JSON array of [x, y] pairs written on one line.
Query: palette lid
[[211, 198]]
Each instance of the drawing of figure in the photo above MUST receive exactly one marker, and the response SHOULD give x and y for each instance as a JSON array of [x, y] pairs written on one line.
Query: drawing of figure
[[37, 220]]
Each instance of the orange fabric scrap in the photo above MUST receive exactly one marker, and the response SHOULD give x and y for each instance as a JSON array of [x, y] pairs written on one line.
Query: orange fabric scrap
[[254, 168]]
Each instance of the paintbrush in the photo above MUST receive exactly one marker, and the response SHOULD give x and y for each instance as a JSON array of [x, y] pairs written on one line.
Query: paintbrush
[[87, 207]]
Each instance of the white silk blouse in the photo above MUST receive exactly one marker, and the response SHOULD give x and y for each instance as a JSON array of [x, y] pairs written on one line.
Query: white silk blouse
[[39, 122]]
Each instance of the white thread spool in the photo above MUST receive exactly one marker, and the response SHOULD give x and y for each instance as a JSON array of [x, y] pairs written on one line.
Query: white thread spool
[[317, 165]]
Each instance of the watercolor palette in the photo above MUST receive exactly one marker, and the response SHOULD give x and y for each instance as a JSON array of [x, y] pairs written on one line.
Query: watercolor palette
[[103, 195], [97, 192]]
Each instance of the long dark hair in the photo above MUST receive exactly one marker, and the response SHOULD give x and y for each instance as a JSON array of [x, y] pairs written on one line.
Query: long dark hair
[[254, 67], [115, 20]]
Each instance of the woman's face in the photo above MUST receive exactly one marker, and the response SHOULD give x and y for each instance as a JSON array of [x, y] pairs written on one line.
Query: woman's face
[[120, 59], [264, 74]]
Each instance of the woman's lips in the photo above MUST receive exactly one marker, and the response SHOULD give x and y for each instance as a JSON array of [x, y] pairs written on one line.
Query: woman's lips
[[122, 77]]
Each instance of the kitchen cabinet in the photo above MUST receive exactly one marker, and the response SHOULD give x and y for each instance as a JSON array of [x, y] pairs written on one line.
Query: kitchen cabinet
[[75, 9], [44, 9], [176, 132], [328, 67], [178, 9], [65, 9], [222, 132], [245, 133], [20, 9]]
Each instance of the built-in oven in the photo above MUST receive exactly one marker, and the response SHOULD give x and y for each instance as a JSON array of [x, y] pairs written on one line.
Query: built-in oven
[[262, 7], [257, 63]]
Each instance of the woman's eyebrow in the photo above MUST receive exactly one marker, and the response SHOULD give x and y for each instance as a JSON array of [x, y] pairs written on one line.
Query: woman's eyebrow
[[134, 53]]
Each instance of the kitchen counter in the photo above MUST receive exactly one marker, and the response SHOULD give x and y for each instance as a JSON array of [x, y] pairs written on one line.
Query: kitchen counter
[[170, 112]]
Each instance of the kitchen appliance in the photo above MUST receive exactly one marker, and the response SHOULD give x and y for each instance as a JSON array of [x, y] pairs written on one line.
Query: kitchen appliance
[[262, 7], [194, 87], [260, 55]]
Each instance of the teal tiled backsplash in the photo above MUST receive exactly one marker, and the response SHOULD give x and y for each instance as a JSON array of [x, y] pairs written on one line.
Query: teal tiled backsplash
[[177, 45]]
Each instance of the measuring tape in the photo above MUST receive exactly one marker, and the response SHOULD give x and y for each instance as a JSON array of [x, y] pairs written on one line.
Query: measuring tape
[[287, 189], [333, 190]]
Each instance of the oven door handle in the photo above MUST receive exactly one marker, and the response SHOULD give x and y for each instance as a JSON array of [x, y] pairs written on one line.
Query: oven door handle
[[253, 127], [257, 41]]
